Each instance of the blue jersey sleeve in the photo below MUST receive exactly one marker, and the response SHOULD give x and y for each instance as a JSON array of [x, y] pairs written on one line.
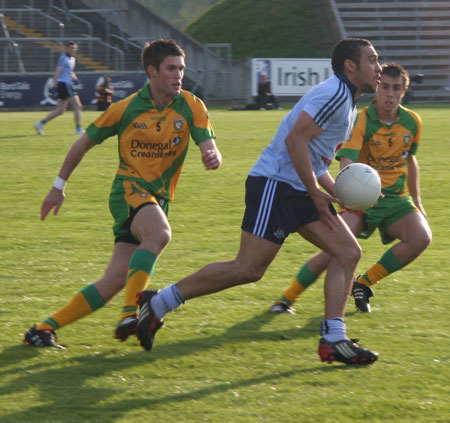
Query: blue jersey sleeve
[[324, 101]]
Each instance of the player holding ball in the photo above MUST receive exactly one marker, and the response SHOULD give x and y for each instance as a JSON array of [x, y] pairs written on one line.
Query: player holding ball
[[283, 196], [385, 137]]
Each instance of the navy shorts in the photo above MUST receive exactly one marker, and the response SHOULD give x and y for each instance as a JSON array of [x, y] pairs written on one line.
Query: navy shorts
[[65, 91], [274, 209]]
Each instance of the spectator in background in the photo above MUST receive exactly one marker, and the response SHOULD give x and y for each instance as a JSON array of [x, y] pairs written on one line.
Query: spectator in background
[[63, 78], [104, 93], [266, 100]]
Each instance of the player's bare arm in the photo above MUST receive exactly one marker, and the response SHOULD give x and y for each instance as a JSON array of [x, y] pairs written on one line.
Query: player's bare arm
[[55, 197], [304, 130], [211, 157], [413, 183], [326, 181]]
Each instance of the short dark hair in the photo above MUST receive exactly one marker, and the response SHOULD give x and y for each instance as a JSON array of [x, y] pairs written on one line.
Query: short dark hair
[[70, 43], [156, 51], [394, 70], [348, 48]]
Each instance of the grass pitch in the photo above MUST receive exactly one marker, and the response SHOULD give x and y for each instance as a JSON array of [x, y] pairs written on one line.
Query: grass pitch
[[220, 358]]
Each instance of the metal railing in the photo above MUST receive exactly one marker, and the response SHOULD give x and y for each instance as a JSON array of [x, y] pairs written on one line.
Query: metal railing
[[20, 11], [113, 12], [11, 47], [126, 42], [117, 61], [31, 14], [206, 79], [49, 20], [68, 15], [119, 56]]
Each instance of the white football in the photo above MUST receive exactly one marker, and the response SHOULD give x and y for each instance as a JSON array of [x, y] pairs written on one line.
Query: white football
[[358, 186]]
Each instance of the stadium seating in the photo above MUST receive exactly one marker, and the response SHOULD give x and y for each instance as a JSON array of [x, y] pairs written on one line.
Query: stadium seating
[[414, 33], [41, 30], [110, 38]]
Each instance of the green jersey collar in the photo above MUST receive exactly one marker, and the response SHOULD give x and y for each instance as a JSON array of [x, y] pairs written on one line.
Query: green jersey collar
[[146, 94], [373, 115]]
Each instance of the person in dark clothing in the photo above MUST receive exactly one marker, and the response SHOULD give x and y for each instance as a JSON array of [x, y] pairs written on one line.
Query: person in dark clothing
[[104, 94], [266, 100]]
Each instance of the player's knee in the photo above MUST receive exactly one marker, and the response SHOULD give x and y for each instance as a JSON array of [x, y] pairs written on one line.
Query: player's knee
[[242, 271], [421, 241], [165, 237], [356, 253], [350, 255], [426, 240], [254, 276], [252, 273], [161, 241]]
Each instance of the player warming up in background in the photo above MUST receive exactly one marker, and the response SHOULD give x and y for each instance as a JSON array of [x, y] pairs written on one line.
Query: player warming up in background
[[283, 196], [385, 136], [153, 127], [63, 79]]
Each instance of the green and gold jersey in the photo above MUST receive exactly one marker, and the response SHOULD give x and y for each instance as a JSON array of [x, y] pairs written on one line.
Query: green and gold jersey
[[384, 147], [153, 143]]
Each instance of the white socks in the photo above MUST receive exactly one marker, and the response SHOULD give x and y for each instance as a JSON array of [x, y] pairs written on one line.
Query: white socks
[[333, 330], [168, 299]]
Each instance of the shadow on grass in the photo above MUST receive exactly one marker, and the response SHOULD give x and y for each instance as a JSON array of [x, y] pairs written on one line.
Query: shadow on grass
[[70, 395], [70, 385], [247, 331]]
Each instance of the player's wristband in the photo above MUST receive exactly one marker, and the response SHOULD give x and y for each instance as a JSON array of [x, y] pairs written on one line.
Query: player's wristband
[[59, 183]]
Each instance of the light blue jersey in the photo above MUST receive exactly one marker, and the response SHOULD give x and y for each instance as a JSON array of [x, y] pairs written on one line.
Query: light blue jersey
[[67, 63], [332, 107]]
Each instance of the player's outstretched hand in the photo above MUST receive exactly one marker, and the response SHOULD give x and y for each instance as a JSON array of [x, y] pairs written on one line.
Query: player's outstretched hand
[[212, 159], [54, 200]]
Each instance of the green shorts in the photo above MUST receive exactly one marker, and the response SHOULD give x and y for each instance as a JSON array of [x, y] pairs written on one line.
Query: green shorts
[[387, 211], [125, 199]]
